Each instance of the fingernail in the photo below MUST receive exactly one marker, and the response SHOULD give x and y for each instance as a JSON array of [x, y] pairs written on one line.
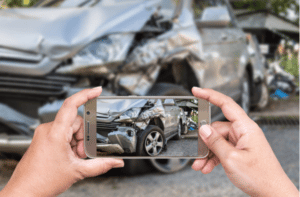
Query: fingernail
[[119, 164], [197, 88], [98, 88], [205, 131]]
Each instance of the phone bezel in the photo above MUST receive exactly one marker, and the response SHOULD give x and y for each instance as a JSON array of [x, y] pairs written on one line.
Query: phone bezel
[[91, 106]]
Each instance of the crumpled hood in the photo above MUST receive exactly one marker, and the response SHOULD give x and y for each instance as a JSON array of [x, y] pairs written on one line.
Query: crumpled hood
[[62, 32], [115, 107]]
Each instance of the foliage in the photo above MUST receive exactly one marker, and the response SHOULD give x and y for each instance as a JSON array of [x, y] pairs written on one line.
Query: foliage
[[276, 6], [20, 3], [291, 65]]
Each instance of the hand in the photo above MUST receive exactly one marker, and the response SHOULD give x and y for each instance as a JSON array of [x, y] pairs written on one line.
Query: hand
[[53, 161], [242, 149]]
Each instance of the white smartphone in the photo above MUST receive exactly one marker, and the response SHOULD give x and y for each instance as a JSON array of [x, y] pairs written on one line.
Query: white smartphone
[[143, 127]]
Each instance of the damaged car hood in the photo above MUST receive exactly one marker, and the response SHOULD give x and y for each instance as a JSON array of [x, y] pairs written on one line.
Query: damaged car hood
[[60, 33], [115, 107]]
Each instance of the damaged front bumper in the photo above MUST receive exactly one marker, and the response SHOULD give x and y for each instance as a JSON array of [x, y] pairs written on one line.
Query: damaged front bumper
[[120, 141]]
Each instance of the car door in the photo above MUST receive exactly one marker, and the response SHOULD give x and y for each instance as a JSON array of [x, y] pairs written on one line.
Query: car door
[[235, 48], [220, 71], [175, 118], [169, 118]]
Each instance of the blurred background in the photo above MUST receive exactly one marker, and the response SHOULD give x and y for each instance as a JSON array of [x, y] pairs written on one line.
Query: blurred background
[[269, 30]]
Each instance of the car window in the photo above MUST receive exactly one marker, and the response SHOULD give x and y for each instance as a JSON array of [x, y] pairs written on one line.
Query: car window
[[209, 10], [200, 5]]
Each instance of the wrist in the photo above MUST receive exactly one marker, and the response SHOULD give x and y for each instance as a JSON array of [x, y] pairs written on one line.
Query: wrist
[[12, 191]]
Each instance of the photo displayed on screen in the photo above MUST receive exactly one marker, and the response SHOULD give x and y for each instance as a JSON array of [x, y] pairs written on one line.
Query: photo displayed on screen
[[147, 127]]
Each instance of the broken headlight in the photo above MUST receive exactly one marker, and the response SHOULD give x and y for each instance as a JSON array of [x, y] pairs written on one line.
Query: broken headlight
[[132, 113], [129, 115], [111, 48]]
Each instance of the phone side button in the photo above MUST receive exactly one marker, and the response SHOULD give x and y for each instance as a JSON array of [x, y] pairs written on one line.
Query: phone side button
[[88, 127]]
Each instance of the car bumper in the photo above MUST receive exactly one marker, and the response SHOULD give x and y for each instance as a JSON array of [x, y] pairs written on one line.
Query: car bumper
[[122, 140]]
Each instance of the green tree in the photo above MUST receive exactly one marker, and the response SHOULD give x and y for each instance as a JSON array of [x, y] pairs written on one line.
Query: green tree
[[276, 6], [19, 3]]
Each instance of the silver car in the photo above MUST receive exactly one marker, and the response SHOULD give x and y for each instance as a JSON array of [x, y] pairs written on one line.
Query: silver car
[[141, 126], [130, 47]]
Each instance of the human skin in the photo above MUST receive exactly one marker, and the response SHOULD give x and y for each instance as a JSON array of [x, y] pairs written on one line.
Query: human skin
[[54, 160], [242, 149]]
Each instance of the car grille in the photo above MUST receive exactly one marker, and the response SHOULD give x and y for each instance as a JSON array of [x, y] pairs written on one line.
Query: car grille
[[34, 86], [103, 128]]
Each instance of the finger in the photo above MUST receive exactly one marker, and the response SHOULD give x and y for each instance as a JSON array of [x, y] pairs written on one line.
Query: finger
[[199, 164], [79, 135], [80, 149], [68, 112], [223, 128], [210, 165], [95, 167], [74, 149], [71, 134], [73, 142], [215, 142], [77, 124], [231, 110]]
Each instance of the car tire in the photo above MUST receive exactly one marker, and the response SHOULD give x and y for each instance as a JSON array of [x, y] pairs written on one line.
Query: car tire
[[179, 131], [185, 129], [264, 99], [152, 137], [168, 89], [245, 96]]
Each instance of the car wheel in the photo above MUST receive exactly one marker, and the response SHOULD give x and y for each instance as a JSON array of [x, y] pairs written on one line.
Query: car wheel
[[179, 130], [264, 99], [167, 89], [184, 129], [245, 98], [151, 141]]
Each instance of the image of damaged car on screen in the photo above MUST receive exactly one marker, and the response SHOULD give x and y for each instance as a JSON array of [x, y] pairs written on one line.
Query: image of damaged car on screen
[[144, 127]]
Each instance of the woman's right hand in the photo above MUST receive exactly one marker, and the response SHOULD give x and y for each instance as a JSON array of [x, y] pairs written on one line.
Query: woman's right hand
[[242, 149]]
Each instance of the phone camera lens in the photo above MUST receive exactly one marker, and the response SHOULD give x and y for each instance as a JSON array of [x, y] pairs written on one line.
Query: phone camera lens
[[88, 113]]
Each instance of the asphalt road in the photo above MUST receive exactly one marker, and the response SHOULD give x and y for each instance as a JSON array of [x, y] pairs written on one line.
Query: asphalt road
[[284, 141], [182, 147]]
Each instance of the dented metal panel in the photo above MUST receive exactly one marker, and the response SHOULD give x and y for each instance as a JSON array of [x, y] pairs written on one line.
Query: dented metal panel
[[61, 33], [154, 112]]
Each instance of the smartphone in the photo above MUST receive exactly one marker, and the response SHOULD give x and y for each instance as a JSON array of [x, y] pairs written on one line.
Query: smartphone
[[142, 127]]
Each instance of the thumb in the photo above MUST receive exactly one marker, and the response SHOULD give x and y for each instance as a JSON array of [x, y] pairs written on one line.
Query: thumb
[[215, 142], [98, 166]]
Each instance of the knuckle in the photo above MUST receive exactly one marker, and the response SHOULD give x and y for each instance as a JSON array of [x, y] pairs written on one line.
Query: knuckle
[[80, 174], [231, 157], [215, 141], [40, 129], [67, 102], [216, 124]]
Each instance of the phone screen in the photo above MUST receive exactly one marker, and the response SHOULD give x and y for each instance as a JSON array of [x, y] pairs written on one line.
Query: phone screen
[[143, 127]]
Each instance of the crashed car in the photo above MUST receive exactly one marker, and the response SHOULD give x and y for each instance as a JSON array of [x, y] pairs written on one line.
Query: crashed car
[[141, 126], [129, 47]]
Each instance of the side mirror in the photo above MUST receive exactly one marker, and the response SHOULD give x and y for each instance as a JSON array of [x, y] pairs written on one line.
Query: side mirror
[[215, 17]]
